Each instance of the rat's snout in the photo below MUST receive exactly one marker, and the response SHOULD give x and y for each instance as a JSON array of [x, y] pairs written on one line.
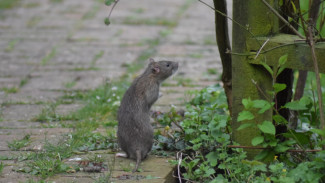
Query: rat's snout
[[176, 65]]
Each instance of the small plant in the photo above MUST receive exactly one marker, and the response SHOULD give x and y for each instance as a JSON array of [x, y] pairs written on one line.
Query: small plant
[[9, 4], [1, 168], [103, 178], [9, 90], [48, 114], [24, 81], [48, 56], [15, 145], [96, 58], [70, 84], [12, 45], [209, 155], [212, 71], [95, 163], [56, 1]]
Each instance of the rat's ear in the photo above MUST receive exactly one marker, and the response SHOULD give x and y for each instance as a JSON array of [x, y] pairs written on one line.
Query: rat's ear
[[151, 60], [155, 70]]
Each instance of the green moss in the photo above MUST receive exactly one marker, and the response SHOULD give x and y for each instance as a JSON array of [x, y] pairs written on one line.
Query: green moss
[[261, 25]]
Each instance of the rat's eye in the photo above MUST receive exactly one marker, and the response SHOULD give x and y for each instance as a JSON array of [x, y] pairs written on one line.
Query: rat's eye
[[167, 65]]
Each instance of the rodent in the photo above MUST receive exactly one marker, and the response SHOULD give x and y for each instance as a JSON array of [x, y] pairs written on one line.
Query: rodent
[[135, 133]]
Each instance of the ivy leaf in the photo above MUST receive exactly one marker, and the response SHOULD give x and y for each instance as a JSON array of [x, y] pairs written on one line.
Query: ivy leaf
[[245, 125], [267, 127], [245, 115], [108, 2], [279, 87], [257, 140]]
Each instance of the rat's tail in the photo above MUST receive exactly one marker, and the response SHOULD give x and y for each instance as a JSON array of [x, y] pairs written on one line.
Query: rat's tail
[[138, 155]]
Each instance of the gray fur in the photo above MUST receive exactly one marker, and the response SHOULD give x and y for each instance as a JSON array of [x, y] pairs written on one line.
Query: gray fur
[[135, 133]]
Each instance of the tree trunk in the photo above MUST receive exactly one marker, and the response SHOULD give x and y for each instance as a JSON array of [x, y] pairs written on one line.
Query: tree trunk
[[223, 43]]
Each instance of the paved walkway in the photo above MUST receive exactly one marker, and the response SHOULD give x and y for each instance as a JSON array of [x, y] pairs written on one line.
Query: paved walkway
[[48, 47]]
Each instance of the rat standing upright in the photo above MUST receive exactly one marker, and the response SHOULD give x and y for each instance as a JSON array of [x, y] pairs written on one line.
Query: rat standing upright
[[135, 133]]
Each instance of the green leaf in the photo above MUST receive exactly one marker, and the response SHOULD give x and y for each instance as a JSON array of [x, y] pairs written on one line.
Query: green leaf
[[283, 59], [262, 104], [267, 127], [319, 132], [263, 154], [209, 172], [108, 2], [279, 87], [267, 67], [281, 148], [212, 158], [295, 105], [248, 103], [302, 137], [279, 119], [280, 70], [245, 115], [273, 142], [107, 22], [245, 125], [294, 7], [257, 140]]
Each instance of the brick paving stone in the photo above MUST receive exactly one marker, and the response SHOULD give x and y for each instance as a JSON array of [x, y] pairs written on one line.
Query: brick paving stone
[[31, 96], [18, 125], [20, 112], [66, 109]]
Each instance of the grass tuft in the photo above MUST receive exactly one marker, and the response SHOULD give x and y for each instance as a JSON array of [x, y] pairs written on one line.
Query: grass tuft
[[15, 145]]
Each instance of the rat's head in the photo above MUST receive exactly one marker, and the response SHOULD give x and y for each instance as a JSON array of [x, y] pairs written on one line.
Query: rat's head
[[162, 69]]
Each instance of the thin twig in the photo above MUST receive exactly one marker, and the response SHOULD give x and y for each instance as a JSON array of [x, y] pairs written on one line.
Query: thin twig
[[265, 51], [245, 28], [319, 89], [179, 126], [290, 150], [178, 166], [115, 2], [268, 39], [260, 90], [282, 19]]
